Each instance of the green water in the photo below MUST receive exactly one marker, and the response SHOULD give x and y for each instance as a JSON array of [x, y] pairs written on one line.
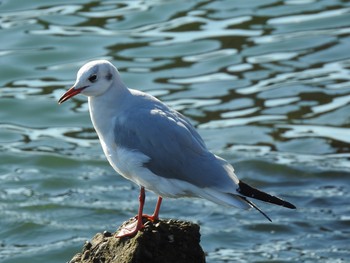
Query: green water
[[266, 83]]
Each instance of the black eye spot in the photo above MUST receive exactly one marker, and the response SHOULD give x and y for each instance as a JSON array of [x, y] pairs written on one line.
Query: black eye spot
[[109, 76], [93, 78]]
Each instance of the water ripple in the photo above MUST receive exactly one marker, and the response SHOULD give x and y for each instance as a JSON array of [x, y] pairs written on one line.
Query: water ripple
[[267, 84], [334, 133]]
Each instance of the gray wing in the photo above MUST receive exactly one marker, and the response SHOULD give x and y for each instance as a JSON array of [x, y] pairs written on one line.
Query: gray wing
[[174, 147]]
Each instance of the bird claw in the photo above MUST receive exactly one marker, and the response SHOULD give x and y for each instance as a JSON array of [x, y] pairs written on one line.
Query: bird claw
[[151, 218], [130, 229]]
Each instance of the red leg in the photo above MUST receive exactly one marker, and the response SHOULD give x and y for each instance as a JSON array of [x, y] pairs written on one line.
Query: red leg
[[134, 227], [155, 215], [156, 210]]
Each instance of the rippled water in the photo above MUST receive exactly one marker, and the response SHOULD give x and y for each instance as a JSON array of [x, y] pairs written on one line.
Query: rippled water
[[267, 84]]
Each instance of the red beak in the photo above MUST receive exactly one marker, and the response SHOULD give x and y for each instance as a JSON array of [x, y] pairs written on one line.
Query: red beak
[[70, 93]]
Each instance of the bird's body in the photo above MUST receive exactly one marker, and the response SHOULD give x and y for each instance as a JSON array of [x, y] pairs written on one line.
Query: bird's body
[[154, 146]]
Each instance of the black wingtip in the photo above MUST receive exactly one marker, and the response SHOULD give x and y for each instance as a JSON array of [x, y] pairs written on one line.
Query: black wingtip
[[248, 191], [289, 205]]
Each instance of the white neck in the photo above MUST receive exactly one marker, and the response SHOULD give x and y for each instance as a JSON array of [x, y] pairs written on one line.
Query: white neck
[[105, 107]]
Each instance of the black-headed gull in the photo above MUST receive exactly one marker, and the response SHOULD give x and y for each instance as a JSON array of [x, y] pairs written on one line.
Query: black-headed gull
[[156, 147]]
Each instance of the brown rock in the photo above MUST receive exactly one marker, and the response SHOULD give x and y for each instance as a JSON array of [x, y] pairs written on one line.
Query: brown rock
[[162, 241]]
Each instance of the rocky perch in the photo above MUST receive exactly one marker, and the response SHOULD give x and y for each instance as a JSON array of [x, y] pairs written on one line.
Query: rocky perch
[[162, 241]]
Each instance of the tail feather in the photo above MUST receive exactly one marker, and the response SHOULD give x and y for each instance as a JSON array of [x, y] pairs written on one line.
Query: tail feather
[[248, 191]]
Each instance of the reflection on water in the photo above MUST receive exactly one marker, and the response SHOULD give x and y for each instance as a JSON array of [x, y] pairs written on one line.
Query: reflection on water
[[267, 84]]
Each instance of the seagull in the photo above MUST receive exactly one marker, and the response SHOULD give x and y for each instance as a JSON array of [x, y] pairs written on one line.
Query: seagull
[[157, 147]]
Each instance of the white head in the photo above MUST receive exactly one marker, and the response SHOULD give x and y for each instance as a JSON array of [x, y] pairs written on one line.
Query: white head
[[93, 79]]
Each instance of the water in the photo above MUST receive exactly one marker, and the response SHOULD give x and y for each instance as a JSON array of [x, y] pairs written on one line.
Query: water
[[267, 84]]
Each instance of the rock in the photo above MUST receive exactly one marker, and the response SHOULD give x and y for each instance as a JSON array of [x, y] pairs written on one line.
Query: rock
[[162, 241]]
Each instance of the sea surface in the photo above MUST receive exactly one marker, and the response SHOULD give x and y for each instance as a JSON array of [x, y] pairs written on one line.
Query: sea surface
[[265, 82]]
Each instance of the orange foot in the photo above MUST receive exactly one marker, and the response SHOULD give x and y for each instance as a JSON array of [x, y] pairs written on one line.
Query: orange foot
[[132, 228]]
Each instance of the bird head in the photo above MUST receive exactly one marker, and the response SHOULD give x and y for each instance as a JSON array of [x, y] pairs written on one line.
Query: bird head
[[93, 79]]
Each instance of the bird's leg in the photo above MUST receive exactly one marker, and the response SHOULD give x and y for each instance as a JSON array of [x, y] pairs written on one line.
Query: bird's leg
[[155, 215], [132, 229]]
